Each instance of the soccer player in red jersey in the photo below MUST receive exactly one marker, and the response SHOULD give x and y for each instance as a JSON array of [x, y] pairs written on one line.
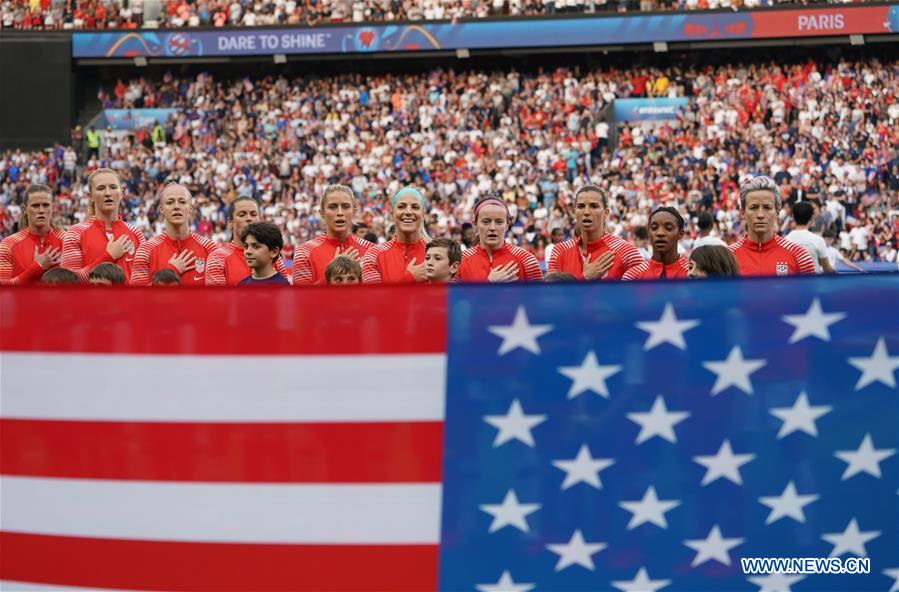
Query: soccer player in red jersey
[[338, 206], [103, 237], [178, 249], [226, 265], [594, 254], [666, 228], [493, 259], [761, 251], [37, 246], [402, 258]]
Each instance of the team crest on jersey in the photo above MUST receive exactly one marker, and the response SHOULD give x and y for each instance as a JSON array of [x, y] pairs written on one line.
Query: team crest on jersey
[[110, 236], [782, 268], [200, 265]]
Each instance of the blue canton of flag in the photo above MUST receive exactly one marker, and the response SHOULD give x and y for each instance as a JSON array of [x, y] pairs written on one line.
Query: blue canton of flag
[[649, 436]]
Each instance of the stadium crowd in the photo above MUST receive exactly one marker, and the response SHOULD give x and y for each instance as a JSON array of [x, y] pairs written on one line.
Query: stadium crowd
[[132, 14], [825, 133]]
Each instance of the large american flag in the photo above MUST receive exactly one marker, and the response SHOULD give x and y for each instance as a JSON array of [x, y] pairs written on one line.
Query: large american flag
[[543, 437]]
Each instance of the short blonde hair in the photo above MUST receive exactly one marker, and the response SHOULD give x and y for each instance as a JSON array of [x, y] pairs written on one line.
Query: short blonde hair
[[760, 183]]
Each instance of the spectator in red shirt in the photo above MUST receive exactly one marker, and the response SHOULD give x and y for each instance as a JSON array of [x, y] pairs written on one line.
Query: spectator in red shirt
[[37, 246], [402, 258], [493, 259], [338, 206], [666, 229], [594, 254], [761, 251], [178, 249]]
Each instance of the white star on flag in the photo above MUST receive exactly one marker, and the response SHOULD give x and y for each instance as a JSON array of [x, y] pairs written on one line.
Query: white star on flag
[[514, 425], [576, 551], [583, 469], [775, 582], [509, 513], [723, 464], [641, 583], [814, 323], [668, 329], [521, 333], [851, 540], [649, 509], [714, 546], [893, 573], [589, 376], [801, 416], [865, 459], [734, 371], [788, 504], [505, 584], [658, 421], [879, 367]]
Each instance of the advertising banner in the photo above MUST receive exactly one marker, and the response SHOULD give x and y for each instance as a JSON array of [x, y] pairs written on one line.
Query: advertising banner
[[130, 119], [523, 33], [648, 109]]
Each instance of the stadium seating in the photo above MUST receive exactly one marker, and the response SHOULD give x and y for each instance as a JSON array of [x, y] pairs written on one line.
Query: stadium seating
[[825, 130]]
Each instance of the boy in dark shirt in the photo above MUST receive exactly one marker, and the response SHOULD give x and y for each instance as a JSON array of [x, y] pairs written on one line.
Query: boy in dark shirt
[[263, 242]]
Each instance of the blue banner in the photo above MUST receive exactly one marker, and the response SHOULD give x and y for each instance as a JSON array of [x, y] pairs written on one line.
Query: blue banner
[[132, 119], [549, 32], [646, 436], [648, 109]]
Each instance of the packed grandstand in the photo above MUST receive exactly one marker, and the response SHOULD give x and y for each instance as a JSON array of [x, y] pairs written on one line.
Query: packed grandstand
[[824, 130]]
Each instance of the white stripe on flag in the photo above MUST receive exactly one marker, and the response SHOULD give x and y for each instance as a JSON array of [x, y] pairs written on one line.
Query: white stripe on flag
[[223, 388], [233, 513], [10, 585]]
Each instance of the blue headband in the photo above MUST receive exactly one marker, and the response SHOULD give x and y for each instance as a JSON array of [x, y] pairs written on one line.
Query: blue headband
[[408, 191]]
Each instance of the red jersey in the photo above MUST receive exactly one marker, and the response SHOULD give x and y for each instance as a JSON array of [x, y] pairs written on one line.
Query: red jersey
[[569, 256], [17, 264], [477, 264], [386, 263], [778, 256], [226, 266], [154, 255], [84, 246], [652, 270], [312, 257]]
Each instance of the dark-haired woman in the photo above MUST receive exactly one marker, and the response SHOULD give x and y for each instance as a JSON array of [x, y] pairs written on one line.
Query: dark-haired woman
[[594, 254], [666, 228], [25, 255]]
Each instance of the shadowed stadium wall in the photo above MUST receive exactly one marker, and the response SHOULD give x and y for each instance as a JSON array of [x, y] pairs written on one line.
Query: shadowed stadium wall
[[36, 100]]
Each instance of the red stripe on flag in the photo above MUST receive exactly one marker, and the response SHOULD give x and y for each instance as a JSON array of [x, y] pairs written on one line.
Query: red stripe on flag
[[148, 565], [283, 321], [407, 452]]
